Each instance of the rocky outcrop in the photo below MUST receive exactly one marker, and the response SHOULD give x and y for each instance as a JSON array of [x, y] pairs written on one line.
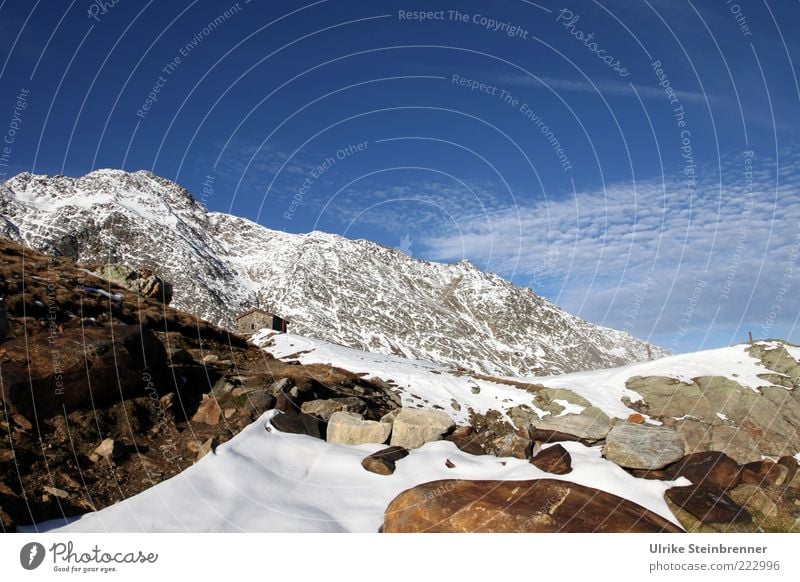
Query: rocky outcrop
[[714, 413], [349, 428], [642, 446], [544, 505], [144, 282], [77, 367], [413, 428]]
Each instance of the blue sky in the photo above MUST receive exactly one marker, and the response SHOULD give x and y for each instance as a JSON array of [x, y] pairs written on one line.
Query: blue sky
[[635, 161]]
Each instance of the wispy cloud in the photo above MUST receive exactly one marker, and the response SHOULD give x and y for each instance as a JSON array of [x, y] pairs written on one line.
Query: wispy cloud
[[606, 87]]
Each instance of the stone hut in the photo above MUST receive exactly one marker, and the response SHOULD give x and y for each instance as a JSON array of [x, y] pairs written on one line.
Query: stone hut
[[255, 319]]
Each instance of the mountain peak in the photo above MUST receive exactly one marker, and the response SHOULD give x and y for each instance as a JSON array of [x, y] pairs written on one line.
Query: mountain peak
[[352, 292]]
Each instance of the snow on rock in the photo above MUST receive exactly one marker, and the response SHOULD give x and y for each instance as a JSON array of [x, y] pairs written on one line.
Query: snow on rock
[[424, 384], [732, 362], [263, 481]]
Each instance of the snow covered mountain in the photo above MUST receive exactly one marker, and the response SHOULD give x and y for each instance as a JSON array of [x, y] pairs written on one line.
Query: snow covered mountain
[[352, 292]]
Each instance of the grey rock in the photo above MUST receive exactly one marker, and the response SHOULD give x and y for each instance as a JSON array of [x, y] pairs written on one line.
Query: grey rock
[[642, 446], [588, 425], [349, 428], [414, 428]]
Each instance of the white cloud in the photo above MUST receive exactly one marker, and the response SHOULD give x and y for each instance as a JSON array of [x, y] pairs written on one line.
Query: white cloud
[[594, 254], [607, 87]]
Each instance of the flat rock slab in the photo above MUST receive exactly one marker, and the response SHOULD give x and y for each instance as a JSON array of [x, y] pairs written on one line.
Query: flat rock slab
[[581, 426], [643, 446], [541, 505]]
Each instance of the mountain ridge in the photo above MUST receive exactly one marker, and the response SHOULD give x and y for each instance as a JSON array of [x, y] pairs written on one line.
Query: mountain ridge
[[354, 292]]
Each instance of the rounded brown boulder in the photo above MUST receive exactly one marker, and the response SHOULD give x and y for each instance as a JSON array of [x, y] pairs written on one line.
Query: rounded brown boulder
[[541, 505]]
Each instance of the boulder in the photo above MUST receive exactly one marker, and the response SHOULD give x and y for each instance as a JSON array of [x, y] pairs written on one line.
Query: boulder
[[349, 428], [300, 423], [383, 462], [642, 446], [589, 427], [707, 505], [764, 474], [325, 408], [209, 412], [554, 459], [78, 367], [414, 428], [542, 505], [711, 469]]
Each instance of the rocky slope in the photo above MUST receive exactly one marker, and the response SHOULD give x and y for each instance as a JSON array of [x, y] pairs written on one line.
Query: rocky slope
[[106, 393], [351, 292]]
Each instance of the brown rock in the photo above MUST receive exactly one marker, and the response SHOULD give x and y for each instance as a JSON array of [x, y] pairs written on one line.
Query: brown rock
[[462, 431], [383, 462], [449, 464], [56, 492], [542, 505], [554, 459], [636, 418], [764, 474], [300, 423], [708, 505], [467, 443], [209, 412], [711, 470]]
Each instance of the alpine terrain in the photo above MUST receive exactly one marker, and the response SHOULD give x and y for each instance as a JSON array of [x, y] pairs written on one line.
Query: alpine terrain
[[351, 292]]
